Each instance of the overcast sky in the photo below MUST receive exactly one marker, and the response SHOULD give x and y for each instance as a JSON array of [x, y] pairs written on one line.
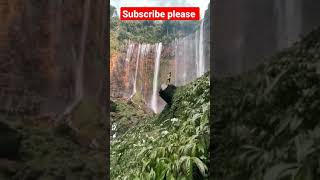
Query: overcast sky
[[203, 4]]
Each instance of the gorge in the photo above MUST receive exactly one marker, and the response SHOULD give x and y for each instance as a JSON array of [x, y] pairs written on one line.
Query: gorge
[[141, 68]]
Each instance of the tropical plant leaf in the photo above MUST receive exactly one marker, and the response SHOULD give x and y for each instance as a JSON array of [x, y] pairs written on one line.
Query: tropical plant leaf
[[201, 166], [276, 171]]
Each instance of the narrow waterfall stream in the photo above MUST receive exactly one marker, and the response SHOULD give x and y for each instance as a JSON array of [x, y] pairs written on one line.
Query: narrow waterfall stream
[[196, 45], [201, 64], [127, 64], [129, 51], [136, 73], [154, 99]]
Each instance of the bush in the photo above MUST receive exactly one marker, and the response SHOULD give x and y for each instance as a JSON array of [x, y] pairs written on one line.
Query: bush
[[172, 146]]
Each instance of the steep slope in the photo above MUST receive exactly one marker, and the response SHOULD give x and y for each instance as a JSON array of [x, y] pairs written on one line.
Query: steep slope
[[126, 114], [265, 123], [173, 144]]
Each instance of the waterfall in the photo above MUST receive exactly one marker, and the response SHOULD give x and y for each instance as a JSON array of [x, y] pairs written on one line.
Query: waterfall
[[190, 58], [176, 81], [289, 22], [127, 64], [201, 64], [293, 18], [154, 99], [197, 52], [138, 69], [136, 73], [129, 51], [184, 61]]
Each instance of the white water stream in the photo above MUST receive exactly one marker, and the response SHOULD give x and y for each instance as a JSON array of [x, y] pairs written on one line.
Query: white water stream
[[154, 98], [201, 63], [136, 73]]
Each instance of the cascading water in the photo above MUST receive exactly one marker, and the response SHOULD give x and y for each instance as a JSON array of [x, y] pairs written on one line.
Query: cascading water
[[190, 58], [201, 64], [289, 21], [129, 51], [196, 45], [176, 81], [154, 98], [136, 73], [128, 64], [184, 61], [141, 68]]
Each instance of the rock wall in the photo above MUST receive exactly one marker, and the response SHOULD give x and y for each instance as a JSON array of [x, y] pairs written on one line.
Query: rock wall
[[39, 50], [123, 67], [181, 57], [247, 32]]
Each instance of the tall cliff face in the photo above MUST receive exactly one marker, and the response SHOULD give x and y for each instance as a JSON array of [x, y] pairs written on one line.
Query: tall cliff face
[[247, 31], [51, 55], [133, 68], [40, 46]]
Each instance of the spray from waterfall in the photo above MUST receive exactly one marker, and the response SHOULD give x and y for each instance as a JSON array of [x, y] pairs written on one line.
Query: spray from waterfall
[[136, 73], [197, 51], [190, 57], [129, 51], [201, 64], [176, 81], [184, 62], [127, 64], [154, 98]]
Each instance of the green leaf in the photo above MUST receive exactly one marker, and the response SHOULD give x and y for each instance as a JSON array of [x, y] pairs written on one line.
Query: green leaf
[[201, 166], [276, 171], [304, 147]]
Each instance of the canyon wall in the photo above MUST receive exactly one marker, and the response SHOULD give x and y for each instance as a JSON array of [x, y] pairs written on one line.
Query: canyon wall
[[41, 44], [133, 69], [247, 32]]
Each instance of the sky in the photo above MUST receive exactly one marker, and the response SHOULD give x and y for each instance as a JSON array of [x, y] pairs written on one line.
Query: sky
[[203, 4]]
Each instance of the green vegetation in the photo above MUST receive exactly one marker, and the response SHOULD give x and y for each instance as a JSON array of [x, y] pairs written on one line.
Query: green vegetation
[[88, 118], [172, 145], [266, 123], [127, 114], [147, 31], [50, 152], [114, 34], [48, 155]]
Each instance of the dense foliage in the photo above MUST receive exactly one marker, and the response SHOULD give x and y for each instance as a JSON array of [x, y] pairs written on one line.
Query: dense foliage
[[265, 124], [46, 154], [126, 114], [147, 31], [173, 145]]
